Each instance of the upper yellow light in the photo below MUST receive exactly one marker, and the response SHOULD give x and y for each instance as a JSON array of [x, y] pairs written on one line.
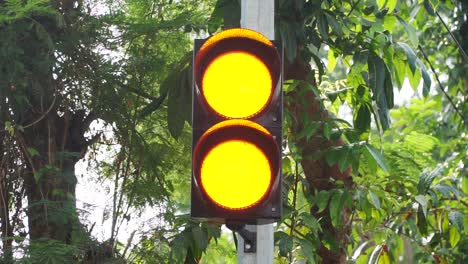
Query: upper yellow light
[[235, 174], [236, 33], [237, 84]]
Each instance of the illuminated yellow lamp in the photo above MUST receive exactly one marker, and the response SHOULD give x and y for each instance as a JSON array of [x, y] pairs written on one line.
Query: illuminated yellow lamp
[[236, 174], [237, 84], [236, 160]]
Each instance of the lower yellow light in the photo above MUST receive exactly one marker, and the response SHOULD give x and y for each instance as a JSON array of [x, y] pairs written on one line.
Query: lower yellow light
[[237, 122], [237, 84], [235, 174]]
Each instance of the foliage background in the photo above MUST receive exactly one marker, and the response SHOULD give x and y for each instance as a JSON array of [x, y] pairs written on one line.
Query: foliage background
[[365, 180]]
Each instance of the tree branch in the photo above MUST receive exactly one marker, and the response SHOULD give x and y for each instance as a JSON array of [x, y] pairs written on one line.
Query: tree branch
[[141, 93], [465, 57], [43, 115], [151, 107], [440, 84]]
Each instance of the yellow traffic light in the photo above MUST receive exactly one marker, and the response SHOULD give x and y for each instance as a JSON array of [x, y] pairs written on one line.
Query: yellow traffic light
[[235, 162], [237, 84], [235, 174], [236, 120], [237, 71]]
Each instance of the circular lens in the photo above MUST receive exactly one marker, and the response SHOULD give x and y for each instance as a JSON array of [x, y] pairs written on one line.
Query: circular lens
[[235, 164], [237, 84], [237, 72], [235, 174]]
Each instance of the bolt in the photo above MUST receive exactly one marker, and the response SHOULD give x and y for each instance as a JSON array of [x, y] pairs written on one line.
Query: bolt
[[273, 209], [275, 119], [247, 246]]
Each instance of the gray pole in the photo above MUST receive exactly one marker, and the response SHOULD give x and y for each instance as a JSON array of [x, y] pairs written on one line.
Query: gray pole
[[258, 15]]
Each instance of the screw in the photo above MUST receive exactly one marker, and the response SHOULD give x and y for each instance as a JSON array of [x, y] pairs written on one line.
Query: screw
[[273, 209], [247, 246], [275, 119]]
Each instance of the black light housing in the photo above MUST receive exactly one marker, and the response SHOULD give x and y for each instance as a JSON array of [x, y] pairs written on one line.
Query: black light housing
[[237, 128]]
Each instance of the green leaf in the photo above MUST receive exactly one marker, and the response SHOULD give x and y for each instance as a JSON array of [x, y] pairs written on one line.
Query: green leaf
[[362, 119], [10, 128], [327, 130], [364, 204], [323, 25], [446, 190], [311, 222], [426, 81], [332, 156], [377, 70], [374, 199], [413, 37], [322, 200], [285, 243], [320, 65], [389, 22], [308, 250], [288, 36], [227, 11], [216, 20], [426, 179], [377, 156], [336, 27], [421, 143], [179, 103], [456, 218], [32, 152], [414, 78], [391, 4], [291, 85], [178, 249], [43, 35], [381, 3], [384, 258], [232, 13], [343, 162], [422, 200], [465, 184], [200, 237], [309, 130], [388, 90], [399, 67], [454, 236], [429, 7], [331, 60], [213, 230], [336, 206], [422, 221], [410, 54]]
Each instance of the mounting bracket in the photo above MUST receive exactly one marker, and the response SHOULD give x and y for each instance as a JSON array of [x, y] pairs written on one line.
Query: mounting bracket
[[250, 238]]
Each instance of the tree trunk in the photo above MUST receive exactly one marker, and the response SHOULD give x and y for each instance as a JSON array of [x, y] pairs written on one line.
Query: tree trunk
[[57, 143], [320, 176], [6, 232], [42, 107]]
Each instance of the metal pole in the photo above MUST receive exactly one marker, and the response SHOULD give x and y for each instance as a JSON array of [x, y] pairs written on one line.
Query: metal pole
[[258, 15]]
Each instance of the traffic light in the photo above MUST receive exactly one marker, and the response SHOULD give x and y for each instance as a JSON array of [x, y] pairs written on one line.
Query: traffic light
[[237, 123]]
